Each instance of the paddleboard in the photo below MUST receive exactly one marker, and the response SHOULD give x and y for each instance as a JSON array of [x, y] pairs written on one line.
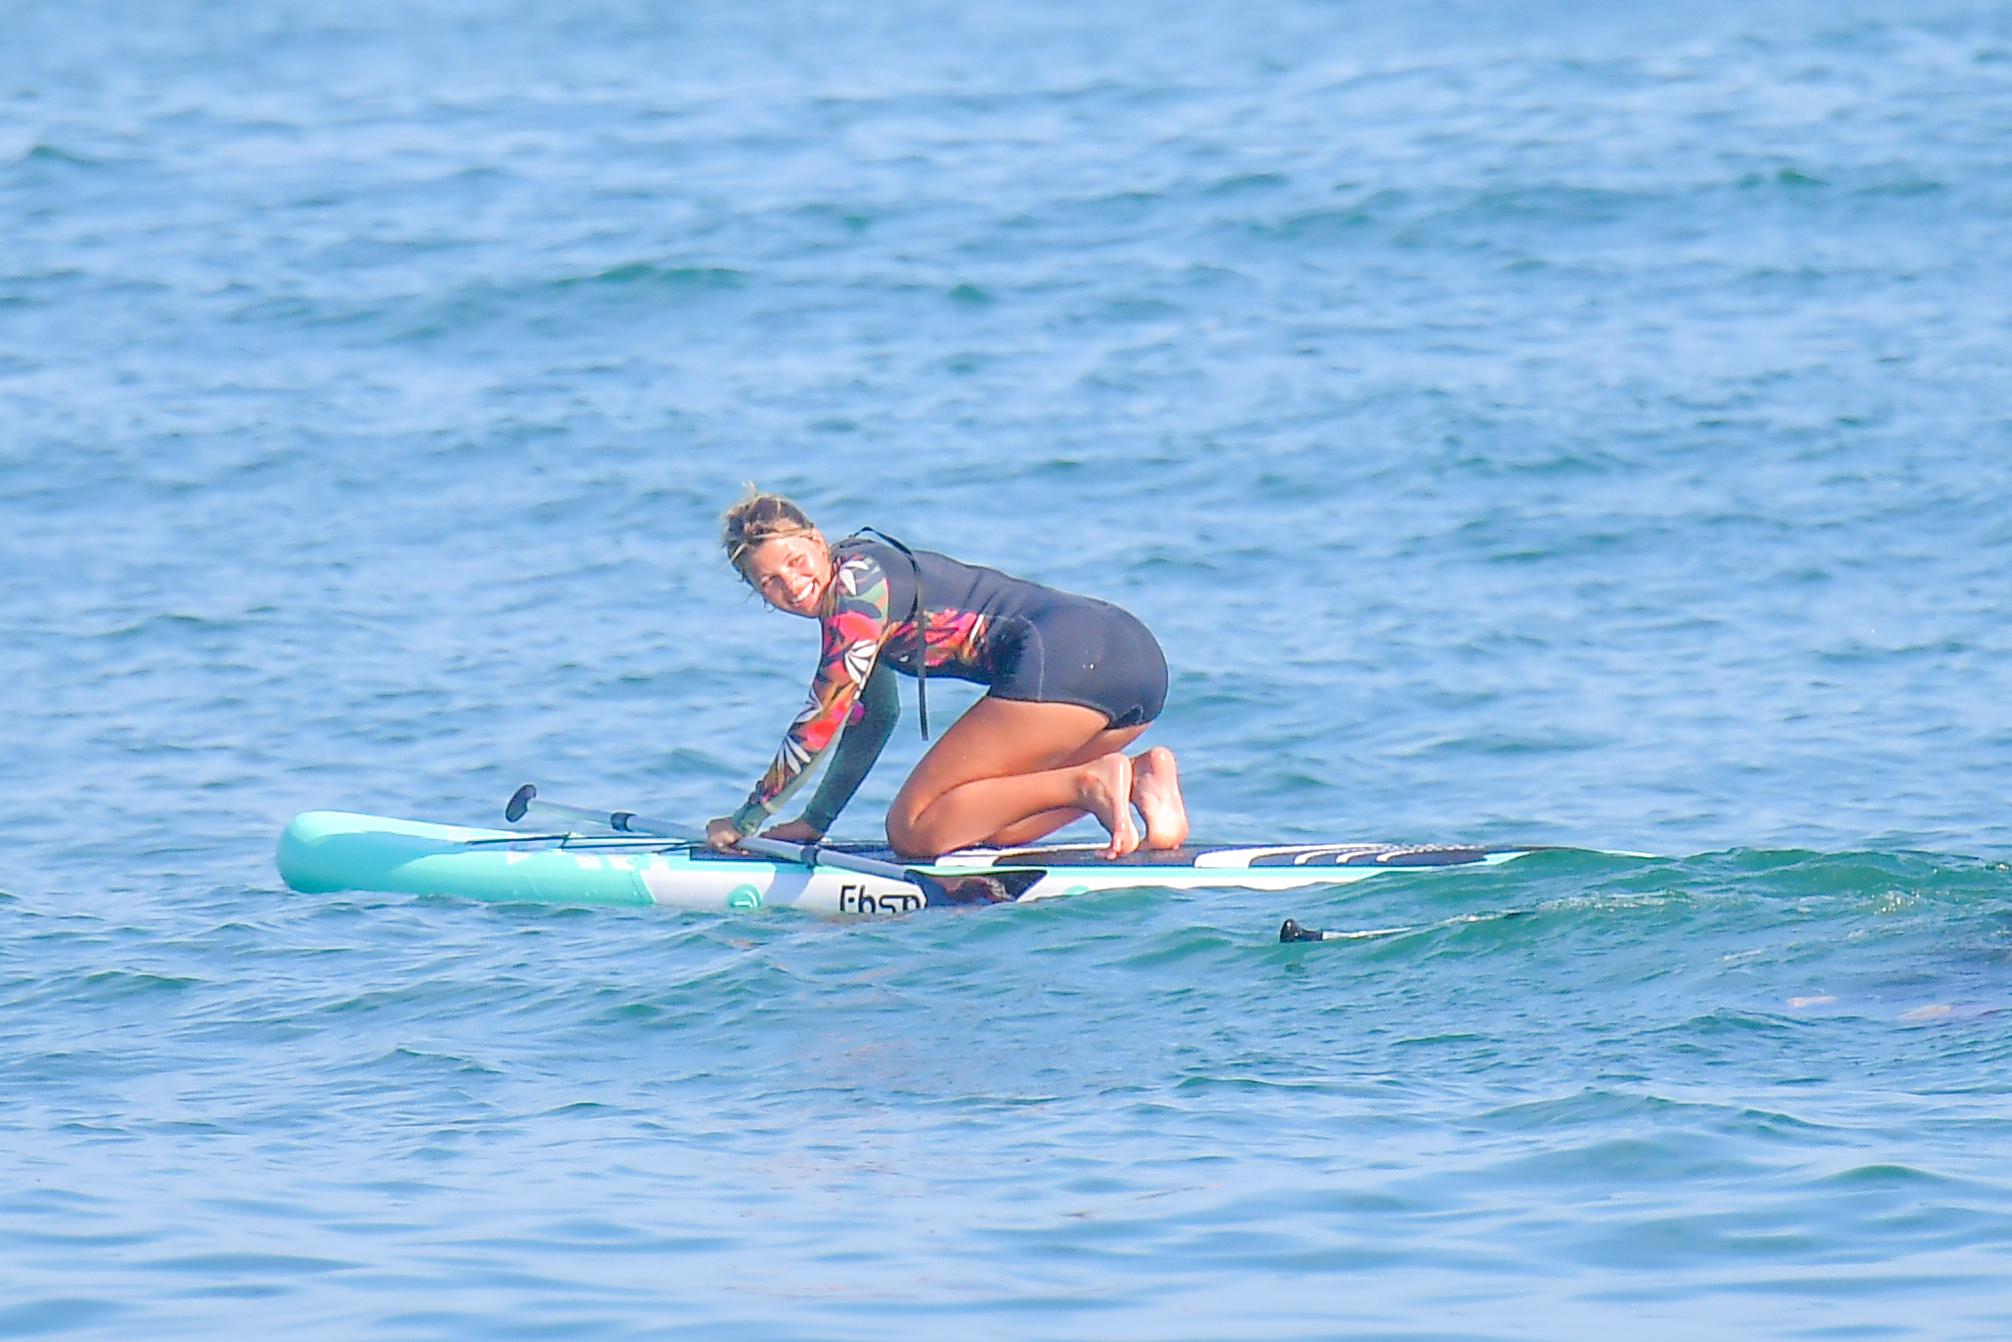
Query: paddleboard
[[327, 851]]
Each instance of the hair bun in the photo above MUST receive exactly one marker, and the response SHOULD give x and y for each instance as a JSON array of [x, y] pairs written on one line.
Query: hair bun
[[759, 518]]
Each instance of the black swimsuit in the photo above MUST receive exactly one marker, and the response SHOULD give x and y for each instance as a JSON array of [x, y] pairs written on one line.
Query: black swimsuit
[[1019, 639]]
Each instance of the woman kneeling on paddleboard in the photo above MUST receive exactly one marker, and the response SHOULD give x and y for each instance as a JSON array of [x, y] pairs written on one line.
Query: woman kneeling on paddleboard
[[1071, 682]]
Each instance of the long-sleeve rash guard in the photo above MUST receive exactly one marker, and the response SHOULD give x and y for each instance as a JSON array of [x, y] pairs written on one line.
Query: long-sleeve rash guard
[[869, 607]]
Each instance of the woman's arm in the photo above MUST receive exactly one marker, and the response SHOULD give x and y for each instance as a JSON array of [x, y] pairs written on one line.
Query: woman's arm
[[858, 624], [857, 751]]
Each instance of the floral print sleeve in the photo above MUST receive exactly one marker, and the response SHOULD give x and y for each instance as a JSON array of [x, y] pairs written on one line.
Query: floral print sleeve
[[858, 624]]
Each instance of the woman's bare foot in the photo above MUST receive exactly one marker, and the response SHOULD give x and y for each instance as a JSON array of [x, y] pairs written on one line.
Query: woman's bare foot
[[1156, 791], [1104, 790]]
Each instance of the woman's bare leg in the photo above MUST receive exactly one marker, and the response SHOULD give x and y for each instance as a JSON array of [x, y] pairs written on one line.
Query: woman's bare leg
[[1040, 825], [1156, 792], [1003, 763]]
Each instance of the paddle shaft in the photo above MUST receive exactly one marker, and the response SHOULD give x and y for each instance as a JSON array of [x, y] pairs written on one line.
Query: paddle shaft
[[977, 888]]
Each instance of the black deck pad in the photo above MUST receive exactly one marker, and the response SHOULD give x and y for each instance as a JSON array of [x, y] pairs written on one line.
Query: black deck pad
[[1261, 855]]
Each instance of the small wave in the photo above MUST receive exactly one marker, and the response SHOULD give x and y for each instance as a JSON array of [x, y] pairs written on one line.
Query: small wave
[[848, 219], [1322, 225], [241, 1265], [1790, 179], [648, 274], [1794, 873], [170, 624], [1595, 1105], [1247, 183], [405, 1058], [111, 984], [1902, 189], [44, 153], [1173, 946], [1721, 1022], [1553, 204], [1887, 1175]]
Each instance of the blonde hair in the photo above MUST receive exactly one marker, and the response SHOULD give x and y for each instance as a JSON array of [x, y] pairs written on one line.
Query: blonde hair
[[757, 519]]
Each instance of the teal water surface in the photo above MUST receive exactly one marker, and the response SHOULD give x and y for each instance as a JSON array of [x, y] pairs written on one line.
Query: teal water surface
[[1562, 424]]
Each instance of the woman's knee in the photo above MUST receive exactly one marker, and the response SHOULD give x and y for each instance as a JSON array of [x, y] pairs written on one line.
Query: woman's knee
[[904, 830]]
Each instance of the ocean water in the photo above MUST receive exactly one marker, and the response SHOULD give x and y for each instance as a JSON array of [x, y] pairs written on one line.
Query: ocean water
[[1563, 423]]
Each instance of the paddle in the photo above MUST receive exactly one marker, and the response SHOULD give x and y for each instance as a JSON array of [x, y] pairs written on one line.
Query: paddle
[[977, 888]]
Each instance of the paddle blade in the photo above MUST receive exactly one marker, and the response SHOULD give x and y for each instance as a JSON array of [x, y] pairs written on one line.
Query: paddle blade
[[519, 803]]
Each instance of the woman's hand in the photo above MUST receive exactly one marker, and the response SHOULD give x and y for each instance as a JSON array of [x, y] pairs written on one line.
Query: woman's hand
[[721, 833], [794, 831]]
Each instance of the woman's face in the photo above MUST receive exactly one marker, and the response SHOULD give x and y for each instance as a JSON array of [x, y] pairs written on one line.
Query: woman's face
[[791, 573]]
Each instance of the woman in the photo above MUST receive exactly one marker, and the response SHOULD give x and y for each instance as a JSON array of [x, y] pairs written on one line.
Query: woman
[[1072, 682]]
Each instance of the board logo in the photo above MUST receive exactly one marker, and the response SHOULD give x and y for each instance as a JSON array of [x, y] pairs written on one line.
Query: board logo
[[855, 898]]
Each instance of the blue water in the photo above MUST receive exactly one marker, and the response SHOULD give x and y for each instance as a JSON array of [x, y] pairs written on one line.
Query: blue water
[[1564, 423]]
